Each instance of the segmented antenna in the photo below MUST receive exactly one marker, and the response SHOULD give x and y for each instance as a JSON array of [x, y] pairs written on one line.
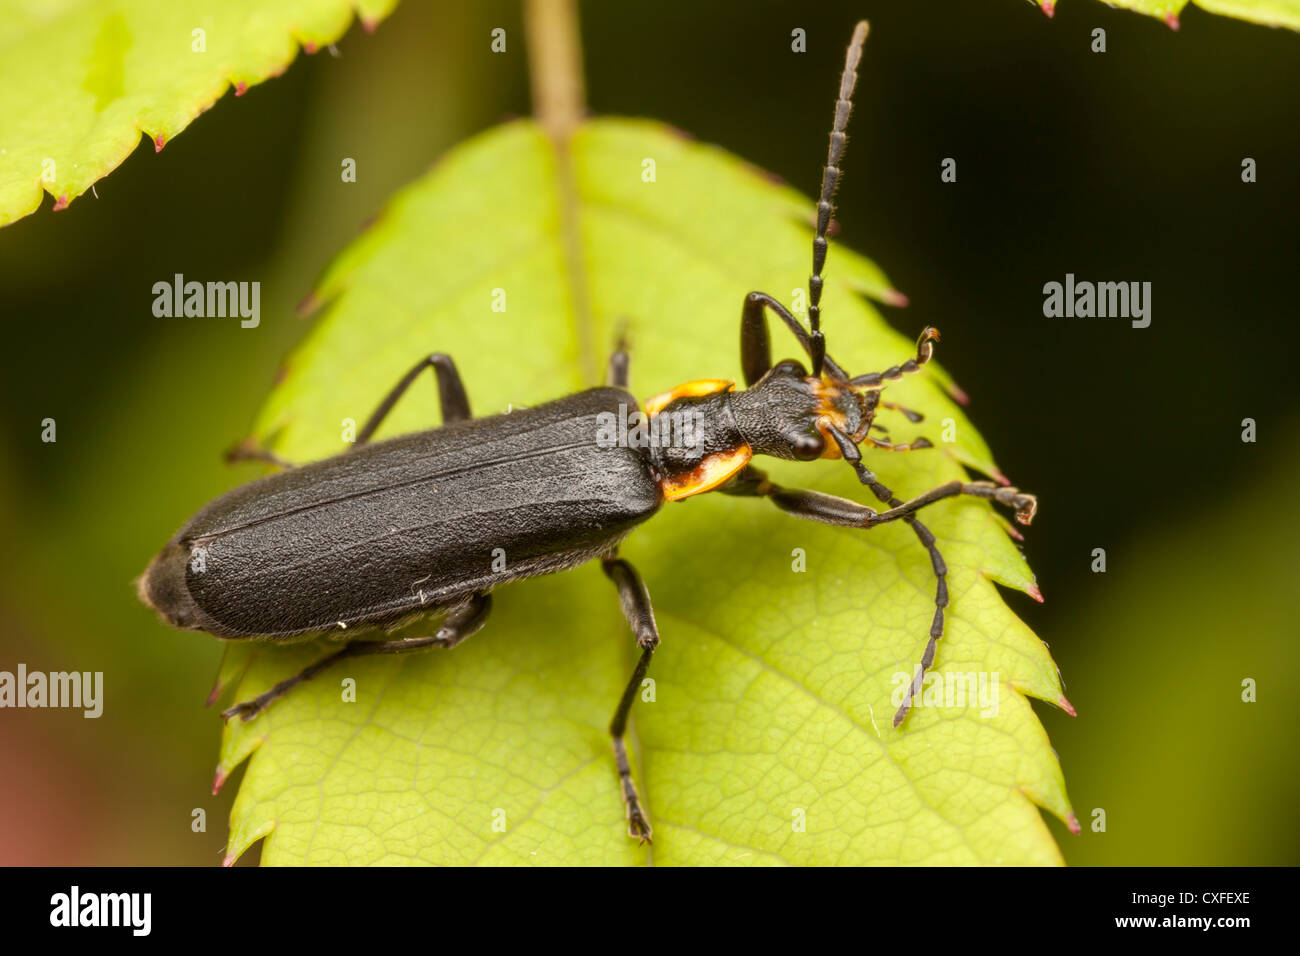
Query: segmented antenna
[[830, 179]]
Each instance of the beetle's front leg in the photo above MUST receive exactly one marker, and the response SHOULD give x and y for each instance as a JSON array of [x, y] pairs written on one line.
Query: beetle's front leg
[[1025, 506], [635, 601], [830, 509], [756, 344]]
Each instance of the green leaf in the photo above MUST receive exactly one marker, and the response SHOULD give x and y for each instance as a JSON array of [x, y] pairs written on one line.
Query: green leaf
[[774, 687], [1271, 13], [81, 81]]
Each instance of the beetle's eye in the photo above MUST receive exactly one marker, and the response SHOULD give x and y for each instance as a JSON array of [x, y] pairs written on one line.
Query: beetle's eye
[[789, 367], [808, 446]]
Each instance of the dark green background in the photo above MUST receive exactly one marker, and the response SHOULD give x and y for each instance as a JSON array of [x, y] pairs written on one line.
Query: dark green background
[[1120, 166]]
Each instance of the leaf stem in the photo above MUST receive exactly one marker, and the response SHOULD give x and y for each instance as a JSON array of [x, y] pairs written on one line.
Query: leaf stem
[[555, 65]]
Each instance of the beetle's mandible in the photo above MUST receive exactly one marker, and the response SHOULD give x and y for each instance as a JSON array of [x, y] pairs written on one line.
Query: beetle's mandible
[[360, 541]]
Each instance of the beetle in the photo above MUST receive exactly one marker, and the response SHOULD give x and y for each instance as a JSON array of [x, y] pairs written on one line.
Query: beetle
[[391, 530]]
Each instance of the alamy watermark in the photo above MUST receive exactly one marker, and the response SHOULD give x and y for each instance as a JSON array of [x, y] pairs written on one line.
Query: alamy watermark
[[636, 429], [76, 689], [1101, 300], [130, 910], [181, 299], [940, 689]]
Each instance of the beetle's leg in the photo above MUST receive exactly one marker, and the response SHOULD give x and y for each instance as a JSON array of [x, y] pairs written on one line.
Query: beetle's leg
[[924, 352], [616, 374], [909, 414], [1025, 505], [635, 601], [462, 622], [249, 450], [756, 345], [915, 445], [451, 394], [830, 509]]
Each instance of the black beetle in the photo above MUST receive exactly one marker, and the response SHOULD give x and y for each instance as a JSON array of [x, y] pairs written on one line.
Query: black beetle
[[434, 520]]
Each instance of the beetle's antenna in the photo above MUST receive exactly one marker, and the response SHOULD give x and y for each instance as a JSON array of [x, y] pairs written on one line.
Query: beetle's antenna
[[830, 179]]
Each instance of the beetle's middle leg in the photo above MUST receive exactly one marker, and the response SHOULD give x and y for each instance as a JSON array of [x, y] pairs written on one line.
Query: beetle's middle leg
[[616, 373], [462, 622], [635, 601]]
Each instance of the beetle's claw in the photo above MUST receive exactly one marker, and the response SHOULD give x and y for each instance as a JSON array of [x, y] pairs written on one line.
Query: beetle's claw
[[245, 711]]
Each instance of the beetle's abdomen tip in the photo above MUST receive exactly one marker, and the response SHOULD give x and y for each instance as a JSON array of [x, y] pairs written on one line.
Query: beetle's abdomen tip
[[162, 587]]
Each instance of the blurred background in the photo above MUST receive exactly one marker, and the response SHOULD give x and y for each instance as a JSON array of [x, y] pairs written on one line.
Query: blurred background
[[1117, 166]]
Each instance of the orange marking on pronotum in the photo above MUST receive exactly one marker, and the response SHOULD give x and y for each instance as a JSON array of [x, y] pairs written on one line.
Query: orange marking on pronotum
[[1034, 593], [1072, 822], [832, 450], [61, 202], [219, 780], [159, 142], [711, 472], [1066, 706], [703, 386], [241, 88]]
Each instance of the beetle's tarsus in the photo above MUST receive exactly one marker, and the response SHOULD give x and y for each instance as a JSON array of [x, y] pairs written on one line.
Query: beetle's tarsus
[[250, 450], [245, 711]]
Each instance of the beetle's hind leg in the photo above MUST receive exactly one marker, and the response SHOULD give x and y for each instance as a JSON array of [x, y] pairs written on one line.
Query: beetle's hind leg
[[451, 395], [635, 601], [462, 622]]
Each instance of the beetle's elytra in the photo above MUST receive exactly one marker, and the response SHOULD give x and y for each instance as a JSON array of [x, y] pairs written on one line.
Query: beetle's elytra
[[393, 529]]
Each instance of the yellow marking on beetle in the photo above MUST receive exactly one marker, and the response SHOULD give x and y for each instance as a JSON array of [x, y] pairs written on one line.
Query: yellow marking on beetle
[[832, 449], [829, 413], [711, 472], [703, 386]]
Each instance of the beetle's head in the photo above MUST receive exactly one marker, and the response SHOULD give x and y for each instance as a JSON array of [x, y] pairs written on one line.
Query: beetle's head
[[789, 413]]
